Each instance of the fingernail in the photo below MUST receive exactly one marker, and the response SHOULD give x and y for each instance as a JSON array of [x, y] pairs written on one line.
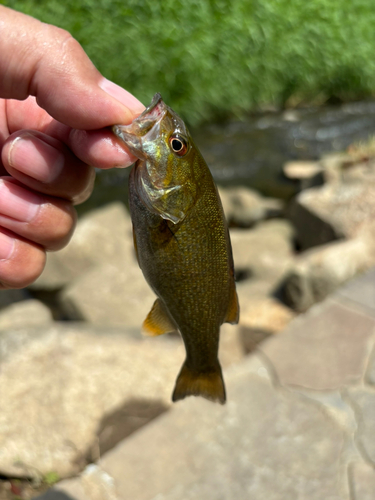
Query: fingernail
[[122, 95], [35, 158], [18, 203], [6, 246]]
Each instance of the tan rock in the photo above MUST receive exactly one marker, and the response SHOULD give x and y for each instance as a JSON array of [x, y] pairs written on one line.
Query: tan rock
[[102, 235], [264, 252], [253, 447], [244, 207], [26, 313], [59, 384], [267, 314], [112, 294], [320, 271], [333, 211]]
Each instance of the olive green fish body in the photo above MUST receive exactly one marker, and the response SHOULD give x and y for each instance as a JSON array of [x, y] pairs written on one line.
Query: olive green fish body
[[187, 262]]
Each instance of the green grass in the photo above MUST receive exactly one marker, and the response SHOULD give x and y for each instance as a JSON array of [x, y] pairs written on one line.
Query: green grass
[[214, 58]]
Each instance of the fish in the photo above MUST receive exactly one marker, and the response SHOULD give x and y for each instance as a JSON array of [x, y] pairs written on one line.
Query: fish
[[182, 244]]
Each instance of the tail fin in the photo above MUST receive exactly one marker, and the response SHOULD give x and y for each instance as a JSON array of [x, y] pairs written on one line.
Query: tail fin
[[208, 385]]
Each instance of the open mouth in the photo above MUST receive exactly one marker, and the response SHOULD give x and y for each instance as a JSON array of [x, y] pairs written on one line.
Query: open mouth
[[145, 124]]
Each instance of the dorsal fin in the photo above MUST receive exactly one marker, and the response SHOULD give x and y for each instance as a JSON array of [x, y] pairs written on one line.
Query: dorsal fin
[[158, 321]]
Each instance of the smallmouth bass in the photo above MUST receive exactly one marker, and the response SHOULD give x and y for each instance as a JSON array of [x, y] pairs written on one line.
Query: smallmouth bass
[[182, 244]]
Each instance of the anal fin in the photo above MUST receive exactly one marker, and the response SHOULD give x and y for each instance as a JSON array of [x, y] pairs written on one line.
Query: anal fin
[[233, 313], [158, 321]]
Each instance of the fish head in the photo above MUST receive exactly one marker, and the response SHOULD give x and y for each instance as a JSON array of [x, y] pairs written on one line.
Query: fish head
[[165, 152]]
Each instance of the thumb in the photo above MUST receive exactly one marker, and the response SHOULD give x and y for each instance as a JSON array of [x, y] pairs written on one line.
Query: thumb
[[47, 62]]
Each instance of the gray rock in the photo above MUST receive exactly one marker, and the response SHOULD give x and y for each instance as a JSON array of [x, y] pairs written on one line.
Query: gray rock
[[113, 294], [254, 447], [26, 313], [363, 402], [244, 207], [333, 211], [264, 252], [68, 387], [324, 349], [101, 236], [362, 481], [318, 272], [8, 297]]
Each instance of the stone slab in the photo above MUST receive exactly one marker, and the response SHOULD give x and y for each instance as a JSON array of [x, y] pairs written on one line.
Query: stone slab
[[362, 481], [324, 349], [363, 402], [265, 443], [360, 291]]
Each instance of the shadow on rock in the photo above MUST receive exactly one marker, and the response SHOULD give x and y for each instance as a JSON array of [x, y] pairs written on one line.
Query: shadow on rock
[[118, 425]]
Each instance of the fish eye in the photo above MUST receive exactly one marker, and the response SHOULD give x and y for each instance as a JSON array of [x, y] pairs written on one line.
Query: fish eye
[[178, 144]]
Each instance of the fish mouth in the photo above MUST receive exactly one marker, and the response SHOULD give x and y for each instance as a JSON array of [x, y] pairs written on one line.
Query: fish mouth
[[146, 124]]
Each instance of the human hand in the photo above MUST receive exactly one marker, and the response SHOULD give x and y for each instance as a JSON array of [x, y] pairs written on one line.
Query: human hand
[[54, 107]]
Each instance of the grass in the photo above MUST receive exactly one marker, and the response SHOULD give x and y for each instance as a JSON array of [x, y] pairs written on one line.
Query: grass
[[214, 58]]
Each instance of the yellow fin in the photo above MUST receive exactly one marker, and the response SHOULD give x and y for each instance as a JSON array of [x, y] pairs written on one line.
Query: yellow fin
[[158, 321], [233, 313], [208, 385]]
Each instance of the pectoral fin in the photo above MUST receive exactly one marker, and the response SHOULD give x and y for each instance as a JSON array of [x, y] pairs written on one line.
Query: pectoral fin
[[233, 313], [158, 321]]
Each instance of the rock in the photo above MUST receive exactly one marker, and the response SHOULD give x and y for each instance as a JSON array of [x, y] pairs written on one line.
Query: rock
[[361, 292], [316, 273], [102, 235], [244, 207], [265, 313], [59, 383], [370, 375], [362, 481], [26, 313], [264, 252], [66, 387], [334, 211], [254, 447], [363, 402], [308, 173], [333, 165], [110, 294], [324, 349]]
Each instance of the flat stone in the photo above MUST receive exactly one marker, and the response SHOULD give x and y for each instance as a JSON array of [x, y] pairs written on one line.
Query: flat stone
[[301, 169], [111, 294], [370, 372], [324, 349], [26, 313], [71, 392], [101, 236], [362, 481], [360, 291], [253, 447], [320, 271], [57, 383], [308, 173], [363, 402]]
